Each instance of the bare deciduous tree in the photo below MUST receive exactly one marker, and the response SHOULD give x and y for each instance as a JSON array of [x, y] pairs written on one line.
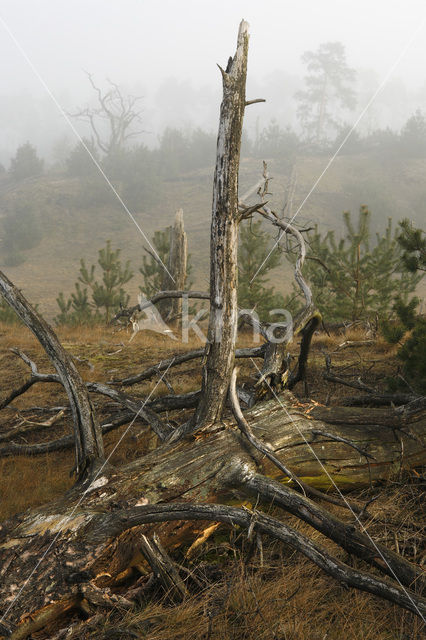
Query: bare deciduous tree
[[112, 122]]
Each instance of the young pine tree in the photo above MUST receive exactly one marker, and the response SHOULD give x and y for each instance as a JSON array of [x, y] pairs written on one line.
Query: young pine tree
[[107, 294], [357, 277], [413, 244], [409, 328], [76, 310], [253, 292], [152, 269]]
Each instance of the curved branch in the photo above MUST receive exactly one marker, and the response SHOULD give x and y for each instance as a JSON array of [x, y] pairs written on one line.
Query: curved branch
[[88, 437], [138, 406], [255, 352], [60, 444], [344, 534], [35, 377], [111, 525], [275, 366], [161, 295], [267, 451]]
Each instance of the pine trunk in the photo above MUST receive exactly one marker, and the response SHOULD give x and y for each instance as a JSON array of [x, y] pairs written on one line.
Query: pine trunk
[[224, 239]]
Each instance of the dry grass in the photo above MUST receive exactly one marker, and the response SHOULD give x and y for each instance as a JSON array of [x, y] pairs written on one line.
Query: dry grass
[[104, 354], [287, 598], [28, 482], [332, 342], [283, 598]]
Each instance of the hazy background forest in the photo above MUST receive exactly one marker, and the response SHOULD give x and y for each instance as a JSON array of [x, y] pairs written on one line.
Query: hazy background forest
[[56, 207]]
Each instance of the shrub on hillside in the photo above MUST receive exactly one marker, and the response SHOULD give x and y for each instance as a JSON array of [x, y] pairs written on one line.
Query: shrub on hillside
[[26, 163], [21, 230]]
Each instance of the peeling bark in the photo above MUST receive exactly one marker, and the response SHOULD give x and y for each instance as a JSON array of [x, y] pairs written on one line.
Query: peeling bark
[[209, 468], [224, 240], [76, 550]]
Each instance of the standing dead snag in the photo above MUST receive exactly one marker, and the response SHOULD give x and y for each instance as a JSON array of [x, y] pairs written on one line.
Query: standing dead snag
[[89, 451], [175, 276], [224, 238]]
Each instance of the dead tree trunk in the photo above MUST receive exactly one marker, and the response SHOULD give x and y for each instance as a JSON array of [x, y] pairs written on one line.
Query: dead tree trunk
[[89, 452], [175, 276], [224, 238], [96, 534]]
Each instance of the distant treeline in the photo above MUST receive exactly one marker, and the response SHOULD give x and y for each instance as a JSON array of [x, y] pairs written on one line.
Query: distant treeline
[[138, 173], [180, 151]]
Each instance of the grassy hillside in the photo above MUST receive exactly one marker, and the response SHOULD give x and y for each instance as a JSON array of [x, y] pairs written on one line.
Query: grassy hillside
[[78, 217]]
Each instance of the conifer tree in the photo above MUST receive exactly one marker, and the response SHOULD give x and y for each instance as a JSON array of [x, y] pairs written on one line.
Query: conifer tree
[[76, 310], [26, 163], [109, 293], [327, 89], [106, 295], [253, 293], [413, 243], [409, 329], [355, 278], [152, 268]]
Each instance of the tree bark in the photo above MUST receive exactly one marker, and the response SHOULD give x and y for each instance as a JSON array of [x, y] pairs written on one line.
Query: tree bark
[[224, 239], [89, 452], [92, 532]]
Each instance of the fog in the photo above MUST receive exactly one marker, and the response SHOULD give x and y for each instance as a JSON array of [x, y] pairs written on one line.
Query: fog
[[167, 53]]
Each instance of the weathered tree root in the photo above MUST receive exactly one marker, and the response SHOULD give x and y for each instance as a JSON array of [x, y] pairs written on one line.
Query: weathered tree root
[[114, 524]]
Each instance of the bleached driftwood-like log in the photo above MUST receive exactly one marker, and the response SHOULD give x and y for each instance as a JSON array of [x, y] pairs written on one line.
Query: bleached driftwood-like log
[[89, 451], [88, 545], [224, 239]]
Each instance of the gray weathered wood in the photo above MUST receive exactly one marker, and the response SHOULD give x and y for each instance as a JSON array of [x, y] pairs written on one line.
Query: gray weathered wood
[[200, 471], [224, 239], [89, 450], [175, 276]]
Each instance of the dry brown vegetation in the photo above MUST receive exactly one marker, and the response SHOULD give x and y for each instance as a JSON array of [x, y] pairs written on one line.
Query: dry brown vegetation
[[238, 589], [111, 356]]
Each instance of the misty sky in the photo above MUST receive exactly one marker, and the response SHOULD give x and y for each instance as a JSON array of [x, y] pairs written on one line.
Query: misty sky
[[167, 52]]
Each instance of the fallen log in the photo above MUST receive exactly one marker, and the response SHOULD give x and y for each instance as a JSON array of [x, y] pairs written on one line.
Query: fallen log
[[213, 465]]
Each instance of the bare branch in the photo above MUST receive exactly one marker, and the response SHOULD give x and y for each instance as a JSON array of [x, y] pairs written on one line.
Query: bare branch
[[88, 437], [119, 111], [255, 101], [111, 525]]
